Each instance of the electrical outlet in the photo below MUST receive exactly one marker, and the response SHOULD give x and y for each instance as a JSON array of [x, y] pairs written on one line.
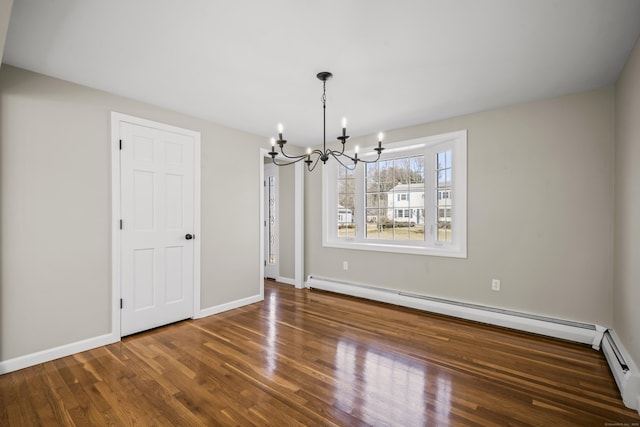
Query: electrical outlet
[[495, 285], [345, 265]]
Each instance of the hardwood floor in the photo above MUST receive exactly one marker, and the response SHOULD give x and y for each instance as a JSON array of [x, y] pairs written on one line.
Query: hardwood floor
[[313, 358]]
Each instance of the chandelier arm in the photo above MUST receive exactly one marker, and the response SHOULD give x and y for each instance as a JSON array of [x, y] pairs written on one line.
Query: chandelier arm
[[336, 152], [351, 167], [371, 161], [354, 159], [298, 158], [310, 168], [342, 154], [286, 163]]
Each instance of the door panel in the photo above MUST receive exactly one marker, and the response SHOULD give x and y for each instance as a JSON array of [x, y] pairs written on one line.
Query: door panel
[[144, 279], [143, 201], [157, 208], [174, 274], [173, 196]]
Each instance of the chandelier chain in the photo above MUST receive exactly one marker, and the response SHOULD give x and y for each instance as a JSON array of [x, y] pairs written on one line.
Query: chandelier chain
[[323, 98]]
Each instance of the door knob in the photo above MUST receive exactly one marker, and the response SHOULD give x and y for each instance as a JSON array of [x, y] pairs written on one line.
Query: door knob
[[188, 237]]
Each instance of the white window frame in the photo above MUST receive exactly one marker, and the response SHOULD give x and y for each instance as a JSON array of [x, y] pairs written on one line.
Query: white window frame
[[428, 146]]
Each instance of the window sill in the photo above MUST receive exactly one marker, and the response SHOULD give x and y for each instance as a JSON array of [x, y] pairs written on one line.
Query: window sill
[[443, 251]]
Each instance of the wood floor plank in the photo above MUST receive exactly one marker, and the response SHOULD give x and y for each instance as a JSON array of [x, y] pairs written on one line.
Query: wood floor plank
[[312, 358]]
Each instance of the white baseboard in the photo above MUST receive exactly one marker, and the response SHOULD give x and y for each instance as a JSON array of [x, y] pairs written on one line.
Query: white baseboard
[[91, 343], [556, 328], [228, 306], [624, 370], [286, 281], [56, 353]]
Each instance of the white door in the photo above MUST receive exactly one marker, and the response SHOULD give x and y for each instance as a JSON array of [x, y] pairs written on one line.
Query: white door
[[157, 211], [271, 219]]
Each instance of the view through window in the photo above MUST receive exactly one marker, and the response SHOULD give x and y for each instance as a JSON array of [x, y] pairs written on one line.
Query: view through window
[[395, 199], [346, 202]]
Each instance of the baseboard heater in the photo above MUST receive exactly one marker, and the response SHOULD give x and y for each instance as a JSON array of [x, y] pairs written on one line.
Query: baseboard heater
[[557, 328], [623, 369]]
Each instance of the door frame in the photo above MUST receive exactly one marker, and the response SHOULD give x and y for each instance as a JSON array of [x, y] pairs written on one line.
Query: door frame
[[116, 119], [277, 218], [298, 222]]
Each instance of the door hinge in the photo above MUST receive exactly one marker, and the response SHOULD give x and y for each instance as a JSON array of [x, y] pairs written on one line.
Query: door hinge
[[265, 262], [120, 303], [121, 144], [265, 222], [120, 224], [264, 183]]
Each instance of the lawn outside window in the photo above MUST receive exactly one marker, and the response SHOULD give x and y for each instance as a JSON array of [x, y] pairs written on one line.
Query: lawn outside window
[[413, 200]]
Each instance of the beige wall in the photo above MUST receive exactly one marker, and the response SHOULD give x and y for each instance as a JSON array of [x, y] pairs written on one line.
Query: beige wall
[[5, 13], [540, 214], [626, 291], [55, 210]]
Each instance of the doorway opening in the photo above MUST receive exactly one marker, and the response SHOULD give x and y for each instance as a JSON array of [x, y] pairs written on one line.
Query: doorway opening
[[282, 222]]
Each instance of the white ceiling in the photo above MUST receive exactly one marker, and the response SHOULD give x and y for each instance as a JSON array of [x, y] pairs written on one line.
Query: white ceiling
[[250, 64]]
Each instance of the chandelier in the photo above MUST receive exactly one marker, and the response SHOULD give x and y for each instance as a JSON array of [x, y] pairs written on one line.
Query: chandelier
[[313, 157]]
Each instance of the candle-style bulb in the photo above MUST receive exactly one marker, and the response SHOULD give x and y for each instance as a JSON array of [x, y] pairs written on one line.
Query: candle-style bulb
[[356, 149], [280, 128], [344, 123], [380, 136], [308, 150], [273, 142]]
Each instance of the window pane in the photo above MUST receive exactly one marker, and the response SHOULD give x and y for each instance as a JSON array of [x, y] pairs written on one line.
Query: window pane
[[342, 186], [444, 194], [372, 177], [373, 200], [417, 169], [386, 177], [399, 197], [402, 170], [441, 161], [417, 230], [346, 202], [401, 229], [374, 223]]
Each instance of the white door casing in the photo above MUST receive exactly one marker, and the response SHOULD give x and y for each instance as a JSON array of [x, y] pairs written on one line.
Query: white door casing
[[159, 211]]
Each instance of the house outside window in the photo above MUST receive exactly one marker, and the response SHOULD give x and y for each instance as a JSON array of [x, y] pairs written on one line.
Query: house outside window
[[403, 213], [411, 201]]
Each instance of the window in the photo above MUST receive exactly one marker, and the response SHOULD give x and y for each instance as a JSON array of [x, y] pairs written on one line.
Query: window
[[411, 201], [346, 202], [403, 213]]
